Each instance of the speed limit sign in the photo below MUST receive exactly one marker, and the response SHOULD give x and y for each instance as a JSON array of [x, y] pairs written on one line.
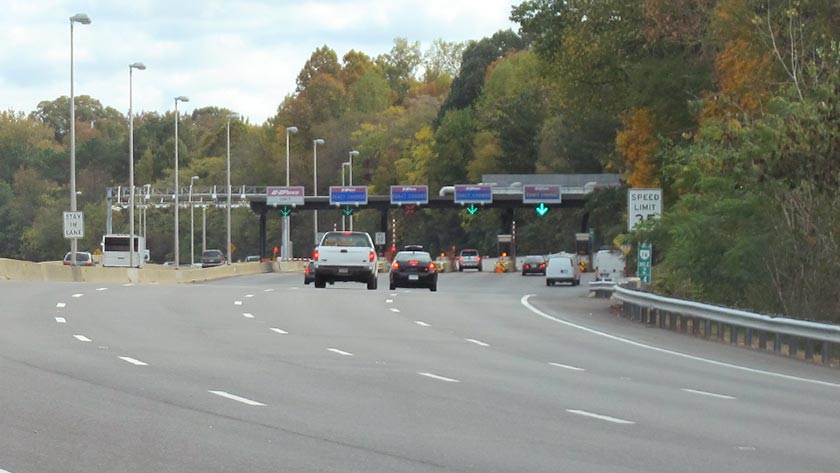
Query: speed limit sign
[[643, 204]]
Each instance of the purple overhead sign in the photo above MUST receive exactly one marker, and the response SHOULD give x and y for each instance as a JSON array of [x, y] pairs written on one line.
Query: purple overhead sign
[[348, 195], [541, 194], [418, 195], [285, 196]]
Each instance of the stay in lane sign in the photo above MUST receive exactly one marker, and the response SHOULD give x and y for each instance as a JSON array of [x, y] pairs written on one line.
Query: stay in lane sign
[[74, 225]]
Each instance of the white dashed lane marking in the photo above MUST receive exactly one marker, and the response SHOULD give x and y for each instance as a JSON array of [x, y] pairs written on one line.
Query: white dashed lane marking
[[82, 338], [133, 361], [389, 301], [237, 302], [268, 290], [61, 320], [237, 398], [280, 331], [61, 305], [102, 289], [438, 377], [568, 367], [340, 352], [614, 420], [708, 394], [248, 296], [393, 294], [394, 309], [76, 296], [421, 323], [477, 342], [247, 315]]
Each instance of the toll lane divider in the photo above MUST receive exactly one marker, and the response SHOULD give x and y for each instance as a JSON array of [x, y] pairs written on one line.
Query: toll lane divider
[[785, 336]]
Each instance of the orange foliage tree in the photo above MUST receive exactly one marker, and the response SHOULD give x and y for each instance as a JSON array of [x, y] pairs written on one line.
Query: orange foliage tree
[[637, 145]]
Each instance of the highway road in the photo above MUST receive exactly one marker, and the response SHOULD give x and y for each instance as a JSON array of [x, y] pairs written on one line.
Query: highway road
[[493, 373]]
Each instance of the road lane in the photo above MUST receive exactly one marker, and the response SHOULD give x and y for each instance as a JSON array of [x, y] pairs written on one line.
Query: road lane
[[509, 411]]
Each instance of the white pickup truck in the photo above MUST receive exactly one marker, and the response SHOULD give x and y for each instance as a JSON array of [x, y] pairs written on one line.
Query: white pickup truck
[[345, 256]]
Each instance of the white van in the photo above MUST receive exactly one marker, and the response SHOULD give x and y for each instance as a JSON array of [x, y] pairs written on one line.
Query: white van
[[562, 268], [609, 266]]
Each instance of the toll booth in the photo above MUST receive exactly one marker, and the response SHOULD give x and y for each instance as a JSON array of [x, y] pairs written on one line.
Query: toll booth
[[583, 249]]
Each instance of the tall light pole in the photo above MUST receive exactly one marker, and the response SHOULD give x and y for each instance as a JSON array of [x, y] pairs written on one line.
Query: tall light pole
[[179, 98], [148, 188], [139, 66], [352, 153], [232, 116], [74, 243], [192, 227], [203, 227], [315, 144], [343, 218], [286, 231]]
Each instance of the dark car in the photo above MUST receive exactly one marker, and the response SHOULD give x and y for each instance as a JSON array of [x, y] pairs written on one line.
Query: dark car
[[309, 272], [212, 258], [413, 269], [533, 265]]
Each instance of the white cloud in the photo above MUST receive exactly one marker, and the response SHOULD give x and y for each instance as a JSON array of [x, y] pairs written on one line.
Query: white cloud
[[239, 54]]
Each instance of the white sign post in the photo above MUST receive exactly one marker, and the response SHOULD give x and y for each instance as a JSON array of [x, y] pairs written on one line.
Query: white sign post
[[74, 225], [380, 238], [643, 204]]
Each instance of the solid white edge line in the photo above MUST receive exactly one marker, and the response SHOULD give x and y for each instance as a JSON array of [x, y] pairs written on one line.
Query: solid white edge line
[[4, 471], [437, 377], [421, 323], [706, 393], [616, 338], [82, 338], [568, 367], [593, 415], [247, 315], [237, 398], [280, 331], [61, 305], [394, 309], [340, 352], [61, 320], [133, 361], [477, 342]]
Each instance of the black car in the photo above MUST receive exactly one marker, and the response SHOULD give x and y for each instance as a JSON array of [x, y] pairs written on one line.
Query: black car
[[309, 272], [413, 269], [533, 265], [212, 258]]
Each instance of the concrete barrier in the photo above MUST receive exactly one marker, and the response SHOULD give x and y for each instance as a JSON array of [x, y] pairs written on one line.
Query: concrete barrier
[[17, 270]]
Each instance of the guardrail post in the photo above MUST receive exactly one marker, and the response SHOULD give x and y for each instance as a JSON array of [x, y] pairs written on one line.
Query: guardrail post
[[748, 337], [733, 335], [826, 353], [793, 346], [661, 319], [707, 329], [762, 339], [777, 342]]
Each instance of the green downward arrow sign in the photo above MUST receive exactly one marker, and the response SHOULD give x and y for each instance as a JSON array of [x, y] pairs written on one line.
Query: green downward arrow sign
[[542, 209], [285, 211], [472, 209], [348, 211]]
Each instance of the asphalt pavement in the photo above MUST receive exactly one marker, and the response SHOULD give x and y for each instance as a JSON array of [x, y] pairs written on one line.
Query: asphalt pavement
[[492, 373]]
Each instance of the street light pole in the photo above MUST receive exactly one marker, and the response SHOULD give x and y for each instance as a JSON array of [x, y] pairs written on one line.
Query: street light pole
[[74, 243], [180, 98], [232, 116], [131, 67], [352, 153], [315, 144], [192, 228], [286, 221], [343, 218]]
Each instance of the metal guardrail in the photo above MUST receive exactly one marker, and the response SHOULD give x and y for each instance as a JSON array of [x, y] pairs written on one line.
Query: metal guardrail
[[741, 326]]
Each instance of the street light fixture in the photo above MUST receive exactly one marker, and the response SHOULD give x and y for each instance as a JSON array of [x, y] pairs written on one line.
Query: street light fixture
[[192, 227], [352, 153], [315, 144], [179, 98], [74, 243], [139, 66], [231, 116], [286, 220]]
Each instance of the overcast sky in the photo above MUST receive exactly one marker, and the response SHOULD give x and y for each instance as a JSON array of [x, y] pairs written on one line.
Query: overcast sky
[[240, 54]]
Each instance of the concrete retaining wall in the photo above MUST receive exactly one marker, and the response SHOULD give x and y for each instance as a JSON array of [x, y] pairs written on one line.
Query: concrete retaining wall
[[55, 271]]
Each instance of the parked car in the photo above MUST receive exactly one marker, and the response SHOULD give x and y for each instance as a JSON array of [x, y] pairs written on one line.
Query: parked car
[[533, 264], [83, 258], [562, 268], [210, 258], [413, 269], [469, 259]]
